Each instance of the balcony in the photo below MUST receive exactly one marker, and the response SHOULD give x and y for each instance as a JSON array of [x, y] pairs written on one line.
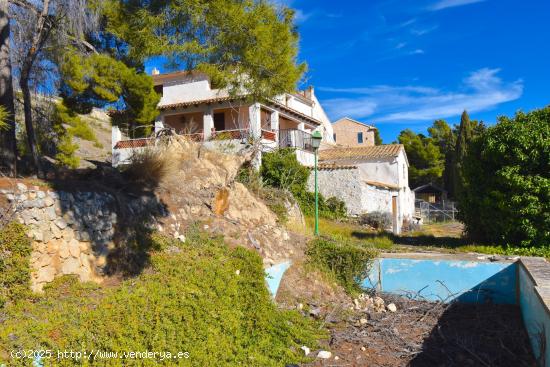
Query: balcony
[[292, 138]]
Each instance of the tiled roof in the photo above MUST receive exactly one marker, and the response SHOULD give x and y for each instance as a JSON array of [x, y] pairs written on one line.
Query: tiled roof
[[134, 143], [195, 103], [361, 153]]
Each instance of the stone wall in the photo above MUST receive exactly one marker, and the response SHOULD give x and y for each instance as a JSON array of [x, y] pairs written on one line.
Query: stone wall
[[344, 184], [71, 232]]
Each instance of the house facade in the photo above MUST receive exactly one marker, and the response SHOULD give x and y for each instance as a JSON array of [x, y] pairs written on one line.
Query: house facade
[[352, 133], [192, 107], [369, 179]]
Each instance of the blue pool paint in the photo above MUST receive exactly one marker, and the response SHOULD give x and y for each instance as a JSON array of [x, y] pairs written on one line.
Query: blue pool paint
[[273, 276], [465, 281]]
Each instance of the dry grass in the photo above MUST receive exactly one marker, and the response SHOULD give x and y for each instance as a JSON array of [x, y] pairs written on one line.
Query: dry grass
[[154, 164]]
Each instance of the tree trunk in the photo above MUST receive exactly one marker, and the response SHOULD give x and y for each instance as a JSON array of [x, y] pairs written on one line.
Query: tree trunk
[[35, 46], [8, 150], [31, 136]]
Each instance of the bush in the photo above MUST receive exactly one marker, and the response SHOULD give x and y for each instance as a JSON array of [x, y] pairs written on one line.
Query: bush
[[348, 262], [377, 220], [189, 300], [282, 170], [506, 194], [15, 251], [152, 164]]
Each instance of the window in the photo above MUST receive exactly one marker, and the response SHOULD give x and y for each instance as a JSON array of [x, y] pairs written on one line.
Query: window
[[334, 137], [360, 138]]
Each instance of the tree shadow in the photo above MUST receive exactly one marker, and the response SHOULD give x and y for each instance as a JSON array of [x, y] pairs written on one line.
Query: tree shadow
[[477, 335], [116, 215], [413, 240]]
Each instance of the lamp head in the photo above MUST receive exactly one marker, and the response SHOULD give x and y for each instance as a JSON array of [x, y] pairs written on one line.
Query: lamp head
[[316, 138]]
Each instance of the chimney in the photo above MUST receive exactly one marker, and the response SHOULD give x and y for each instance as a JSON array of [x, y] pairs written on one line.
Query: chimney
[[308, 93], [155, 71]]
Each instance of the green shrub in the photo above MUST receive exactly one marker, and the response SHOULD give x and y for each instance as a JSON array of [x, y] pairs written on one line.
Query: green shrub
[[191, 299], [506, 195], [15, 251], [348, 262], [281, 169]]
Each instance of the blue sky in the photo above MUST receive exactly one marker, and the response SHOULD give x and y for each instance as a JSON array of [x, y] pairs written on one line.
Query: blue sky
[[401, 64]]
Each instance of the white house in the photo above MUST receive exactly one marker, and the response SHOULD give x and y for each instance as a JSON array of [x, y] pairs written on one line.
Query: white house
[[191, 106], [368, 179]]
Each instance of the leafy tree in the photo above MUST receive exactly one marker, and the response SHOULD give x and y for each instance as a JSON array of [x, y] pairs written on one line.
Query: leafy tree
[[377, 137], [241, 44], [506, 172], [425, 158]]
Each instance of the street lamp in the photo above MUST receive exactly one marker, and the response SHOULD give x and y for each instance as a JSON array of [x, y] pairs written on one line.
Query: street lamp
[[316, 138]]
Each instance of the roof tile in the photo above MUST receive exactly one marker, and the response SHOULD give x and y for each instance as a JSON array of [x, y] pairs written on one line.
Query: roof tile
[[361, 153]]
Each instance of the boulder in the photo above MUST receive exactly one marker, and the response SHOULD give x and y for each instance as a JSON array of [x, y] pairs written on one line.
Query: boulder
[[45, 274], [71, 265], [74, 248], [21, 187], [324, 354]]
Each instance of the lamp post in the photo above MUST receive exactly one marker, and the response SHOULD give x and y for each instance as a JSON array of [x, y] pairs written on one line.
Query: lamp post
[[316, 138]]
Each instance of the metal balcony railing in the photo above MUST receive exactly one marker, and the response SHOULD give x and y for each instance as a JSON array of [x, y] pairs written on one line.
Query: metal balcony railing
[[292, 138]]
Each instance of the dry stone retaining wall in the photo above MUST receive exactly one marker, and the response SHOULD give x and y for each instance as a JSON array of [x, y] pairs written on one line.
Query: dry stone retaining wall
[[71, 232]]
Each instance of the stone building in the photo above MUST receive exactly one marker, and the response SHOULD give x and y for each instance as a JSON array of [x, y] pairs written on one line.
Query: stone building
[[369, 179], [351, 133]]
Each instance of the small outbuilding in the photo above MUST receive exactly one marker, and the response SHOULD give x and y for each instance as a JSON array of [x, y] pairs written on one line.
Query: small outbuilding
[[431, 193]]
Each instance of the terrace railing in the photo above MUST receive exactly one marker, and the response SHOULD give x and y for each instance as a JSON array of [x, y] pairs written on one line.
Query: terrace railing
[[293, 138]]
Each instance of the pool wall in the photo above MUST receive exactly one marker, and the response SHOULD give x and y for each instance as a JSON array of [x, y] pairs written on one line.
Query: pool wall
[[525, 282], [446, 280], [534, 301]]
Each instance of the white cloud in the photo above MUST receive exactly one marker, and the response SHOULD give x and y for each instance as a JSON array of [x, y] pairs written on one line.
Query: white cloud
[[444, 4], [480, 90], [418, 51], [300, 16]]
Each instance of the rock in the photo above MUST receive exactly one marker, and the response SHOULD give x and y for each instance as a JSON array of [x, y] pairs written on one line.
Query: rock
[[61, 223], [45, 274], [391, 307], [21, 187], [181, 238], [363, 349], [10, 197], [300, 306], [32, 195], [56, 232], [53, 247], [64, 252], [50, 212], [315, 312], [324, 354], [305, 349], [363, 321], [101, 260], [48, 201], [237, 272], [40, 194], [44, 260], [74, 248], [70, 266], [378, 304], [336, 358]]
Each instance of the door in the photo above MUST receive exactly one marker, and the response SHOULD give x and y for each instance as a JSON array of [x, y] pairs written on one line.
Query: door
[[394, 214], [219, 121]]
